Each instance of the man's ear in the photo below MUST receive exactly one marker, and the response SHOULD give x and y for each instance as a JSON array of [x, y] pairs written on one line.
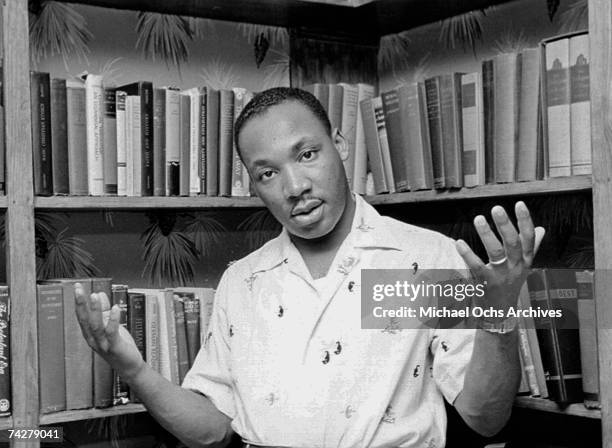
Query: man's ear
[[340, 143]]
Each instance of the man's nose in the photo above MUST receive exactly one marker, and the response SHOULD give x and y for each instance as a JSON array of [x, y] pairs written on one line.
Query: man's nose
[[296, 183]]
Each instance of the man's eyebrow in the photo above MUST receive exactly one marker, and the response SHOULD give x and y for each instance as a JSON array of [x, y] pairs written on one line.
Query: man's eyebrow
[[294, 148]]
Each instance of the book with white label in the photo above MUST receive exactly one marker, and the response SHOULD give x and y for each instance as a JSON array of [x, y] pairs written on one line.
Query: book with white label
[[473, 157], [94, 107]]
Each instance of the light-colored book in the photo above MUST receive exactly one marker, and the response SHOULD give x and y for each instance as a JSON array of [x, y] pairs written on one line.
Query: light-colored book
[[364, 92], [529, 147], [240, 175], [194, 139], [350, 106], [94, 106], [473, 157], [580, 105], [120, 99]]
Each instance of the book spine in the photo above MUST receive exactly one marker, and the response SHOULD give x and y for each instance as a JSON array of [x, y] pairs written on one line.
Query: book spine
[[146, 129], [558, 108], [59, 137], [164, 343], [350, 96], [102, 372], [432, 92], [5, 352], [136, 325], [202, 154], [472, 129], [134, 146], [121, 390], [226, 128], [110, 142], [212, 142], [2, 152], [181, 338], [194, 141], [159, 142], [122, 130], [173, 142], [587, 332], [52, 375], [152, 332], [335, 106], [185, 144], [192, 326], [94, 103], [77, 141], [172, 347], [580, 105], [528, 367], [240, 184], [41, 133], [373, 145], [529, 147], [364, 91], [383, 140], [452, 144], [393, 124], [488, 112]]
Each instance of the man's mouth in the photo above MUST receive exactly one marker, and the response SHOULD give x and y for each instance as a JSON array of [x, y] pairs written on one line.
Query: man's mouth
[[306, 207]]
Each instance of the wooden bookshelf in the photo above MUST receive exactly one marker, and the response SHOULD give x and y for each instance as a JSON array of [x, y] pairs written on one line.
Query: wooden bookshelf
[[543, 404], [6, 423], [3, 202], [86, 414], [549, 186]]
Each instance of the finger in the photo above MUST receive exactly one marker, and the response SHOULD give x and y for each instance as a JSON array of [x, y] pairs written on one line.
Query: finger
[[539, 236], [112, 328], [96, 323], [494, 249], [527, 232], [508, 233], [82, 309], [473, 261]]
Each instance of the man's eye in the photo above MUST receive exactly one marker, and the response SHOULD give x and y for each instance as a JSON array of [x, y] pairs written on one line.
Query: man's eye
[[308, 155], [266, 174]]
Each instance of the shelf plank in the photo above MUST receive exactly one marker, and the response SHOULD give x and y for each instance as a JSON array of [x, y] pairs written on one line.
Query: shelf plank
[[6, 423], [543, 404], [86, 414], [3, 202], [557, 185]]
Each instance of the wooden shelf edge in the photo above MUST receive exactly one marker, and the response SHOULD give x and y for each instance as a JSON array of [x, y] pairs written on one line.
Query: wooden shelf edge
[[3, 202], [543, 404], [553, 185], [86, 414], [149, 202]]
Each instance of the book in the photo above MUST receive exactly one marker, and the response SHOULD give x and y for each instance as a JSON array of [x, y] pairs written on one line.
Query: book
[[580, 105], [192, 324], [452, 128], [194, 139], [102, 372], [133, 145], [367, 108], [529, 141], [77, 139], [551, 289], [507, 67], [77, 356], [212, 141], [383, 140], [168, 357], [5, 352], [434, 119], [488, 112], [206, 297], [364, 91], [51, 370], [94, 108], [173, 142], [110, 141], [144, 90], [185, 145], [473, 156], [394, 127], [240, 175], [159, 142], [40, 98], [350, 106], [226, 141], [320, 92], [122, 135], [2, 152], [587, 333], [152, 330], [181, 337], [136, 324], [121, 390], [59, 137], [334, 109], [556, 88], [528, 364], [415, 135]]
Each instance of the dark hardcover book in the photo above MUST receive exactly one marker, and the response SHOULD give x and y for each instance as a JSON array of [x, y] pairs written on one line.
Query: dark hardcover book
[[393, 122], [192, 324], [121, 391], [588, 338], [78, 355], [184, 143], [2, 153], [370, 129], [145, 90], [452, 128], [136, 324], [434, 118], [77, 139], [110, 142], [212, 142], [51, 370], [5, 352], [558, 338], [181, 337], [226, 134], [59, 137], [159, 142], [40, 96], [173, 142], [488, 111], [102, 372]]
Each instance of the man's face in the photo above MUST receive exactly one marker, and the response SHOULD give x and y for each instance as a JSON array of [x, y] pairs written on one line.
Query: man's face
[[296, 168]]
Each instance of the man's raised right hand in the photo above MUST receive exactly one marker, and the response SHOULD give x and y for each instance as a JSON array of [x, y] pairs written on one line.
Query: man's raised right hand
[[100, 327]]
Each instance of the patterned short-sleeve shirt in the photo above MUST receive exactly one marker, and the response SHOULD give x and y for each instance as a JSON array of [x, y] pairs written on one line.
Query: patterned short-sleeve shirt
[[286, 359]]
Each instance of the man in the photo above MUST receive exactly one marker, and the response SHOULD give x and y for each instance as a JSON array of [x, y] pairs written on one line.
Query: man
[[285, 362]]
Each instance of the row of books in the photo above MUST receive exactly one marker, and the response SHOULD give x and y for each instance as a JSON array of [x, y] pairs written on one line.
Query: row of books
[[559, 355], [524, 116], [135, 139], [168, 326]]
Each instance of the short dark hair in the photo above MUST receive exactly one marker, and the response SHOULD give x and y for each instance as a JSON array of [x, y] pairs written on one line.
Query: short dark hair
[[277, 95]]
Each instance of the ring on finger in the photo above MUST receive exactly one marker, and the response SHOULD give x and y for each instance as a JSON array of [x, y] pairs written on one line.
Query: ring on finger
[[498, 262]]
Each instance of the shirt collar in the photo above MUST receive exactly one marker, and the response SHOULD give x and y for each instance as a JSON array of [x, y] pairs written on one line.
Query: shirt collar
[[368, 230]]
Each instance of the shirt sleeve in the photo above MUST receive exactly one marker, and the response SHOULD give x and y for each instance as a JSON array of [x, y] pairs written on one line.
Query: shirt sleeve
[[210, 374]]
